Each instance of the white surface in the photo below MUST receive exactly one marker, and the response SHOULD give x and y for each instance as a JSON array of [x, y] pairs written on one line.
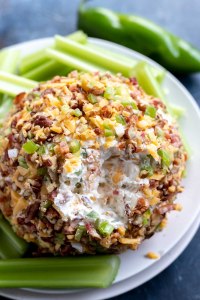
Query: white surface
[[134, 262]]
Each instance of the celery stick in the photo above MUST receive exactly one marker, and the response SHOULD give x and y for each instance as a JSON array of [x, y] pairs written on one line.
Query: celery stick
[[145, 78], [35, 59], [8, 60], [11, 89], [177, 111], [47, 70], [5, 106], [17, 80], [157, 73], [90, 55], [11, 245], [69, 272], [72, 61], [185, 142]]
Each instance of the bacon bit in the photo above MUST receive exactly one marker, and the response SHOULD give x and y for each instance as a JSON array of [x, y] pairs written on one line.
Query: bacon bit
[[115, 192], [98, 131], [133, 80], [53, 194], [141, 206], [47, 162], [47, 91], [92, 231], [31, 211], [106, 112], [18, 101], [152, 255], [42, 121], [64, 148]]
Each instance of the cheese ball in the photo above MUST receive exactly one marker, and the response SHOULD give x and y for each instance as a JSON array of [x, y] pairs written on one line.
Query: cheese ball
[[89, 163]]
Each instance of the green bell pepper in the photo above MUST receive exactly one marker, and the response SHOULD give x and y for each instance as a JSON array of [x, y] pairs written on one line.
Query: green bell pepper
[[141, 35]]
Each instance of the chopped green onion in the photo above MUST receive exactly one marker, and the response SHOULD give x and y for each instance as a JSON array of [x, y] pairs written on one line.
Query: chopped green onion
[[120, 119], [46, 204], [59, 238], [146, 217], [146, 165], [92, 98], [74, 146], [184, 173], [150, 111], [79, 232], [109, 93], [68, 272], [108, 132], [76, 112], [41, 171], [22, 162], [127, 102], [41, 150], [93, 215], [134, 105], [30, 147], [105, 228], [165, 157]]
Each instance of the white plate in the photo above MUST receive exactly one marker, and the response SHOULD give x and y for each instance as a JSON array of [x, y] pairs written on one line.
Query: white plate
[[116, 289], [179, 223]]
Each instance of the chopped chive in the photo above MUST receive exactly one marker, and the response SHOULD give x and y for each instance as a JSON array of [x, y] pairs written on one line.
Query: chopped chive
[[92, 98], [165, 157], [120, 119], [104, 228], [22, 162], [74, 146], [30, 147], [150, 111]]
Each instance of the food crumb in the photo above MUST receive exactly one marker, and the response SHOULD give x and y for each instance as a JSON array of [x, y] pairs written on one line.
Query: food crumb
[[178, 207], [152, 255]]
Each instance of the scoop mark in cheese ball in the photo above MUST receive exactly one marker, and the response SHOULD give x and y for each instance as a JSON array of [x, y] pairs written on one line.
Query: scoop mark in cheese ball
[[89, 164]]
